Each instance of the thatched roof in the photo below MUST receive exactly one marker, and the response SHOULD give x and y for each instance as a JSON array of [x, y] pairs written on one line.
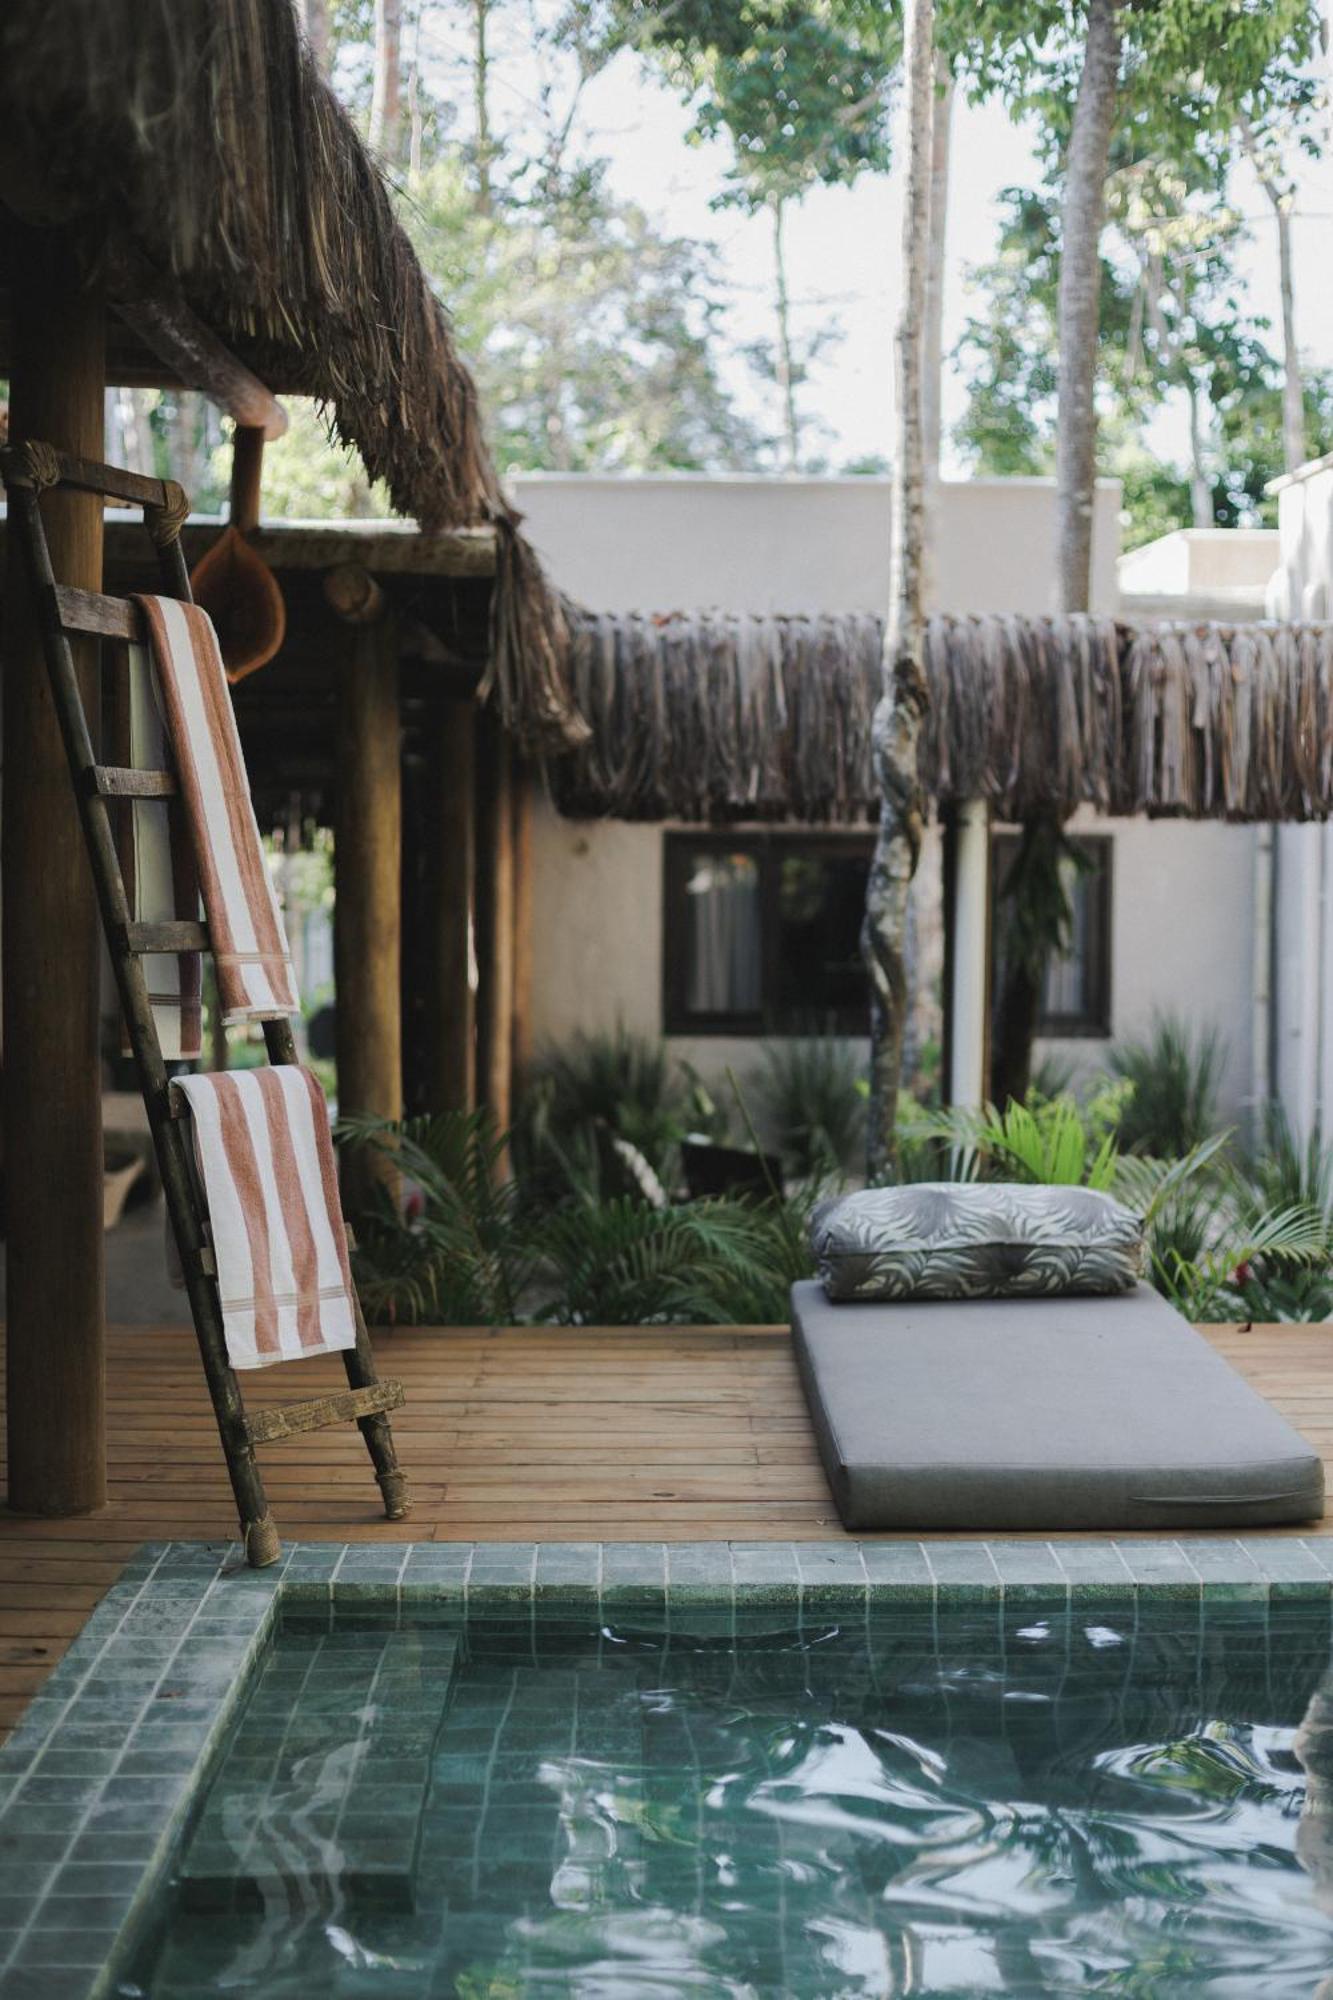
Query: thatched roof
[[192, 142], [725, 718]]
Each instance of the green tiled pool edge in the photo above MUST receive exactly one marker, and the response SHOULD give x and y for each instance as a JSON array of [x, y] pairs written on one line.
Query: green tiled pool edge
[[101, 1772]]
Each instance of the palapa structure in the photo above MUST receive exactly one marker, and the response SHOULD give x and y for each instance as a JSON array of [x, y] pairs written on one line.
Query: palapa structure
[[183, 201], [700, 717]]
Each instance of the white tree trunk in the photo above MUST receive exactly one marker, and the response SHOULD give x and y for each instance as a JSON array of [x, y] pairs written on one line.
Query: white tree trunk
[[932, 361], [785, 362], [1079, 302], [1201, 486], [481, 107], [1293, 388], [386, 101], [903, 703]]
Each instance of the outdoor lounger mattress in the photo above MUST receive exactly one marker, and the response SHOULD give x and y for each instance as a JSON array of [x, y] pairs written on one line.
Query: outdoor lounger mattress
[[1054, 1413]]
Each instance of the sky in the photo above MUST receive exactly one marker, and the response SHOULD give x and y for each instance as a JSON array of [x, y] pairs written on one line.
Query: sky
[[844, 243]]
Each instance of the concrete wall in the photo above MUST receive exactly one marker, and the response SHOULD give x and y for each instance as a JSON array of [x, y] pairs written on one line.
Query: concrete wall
[[798, 545], [1182, 939], [1181, 893], [1303, 587]]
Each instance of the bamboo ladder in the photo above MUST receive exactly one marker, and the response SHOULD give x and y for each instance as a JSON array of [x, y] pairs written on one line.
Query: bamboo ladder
[[61, 610]]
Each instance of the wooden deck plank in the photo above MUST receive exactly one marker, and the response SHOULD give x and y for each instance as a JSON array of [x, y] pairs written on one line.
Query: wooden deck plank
[[513, 1434]]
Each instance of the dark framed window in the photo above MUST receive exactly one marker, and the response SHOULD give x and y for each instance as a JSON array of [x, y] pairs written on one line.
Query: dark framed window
[[1076, 1000], [762, 933]]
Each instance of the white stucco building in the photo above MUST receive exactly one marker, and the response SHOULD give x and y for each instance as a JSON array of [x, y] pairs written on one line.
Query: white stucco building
[[1170, 925]]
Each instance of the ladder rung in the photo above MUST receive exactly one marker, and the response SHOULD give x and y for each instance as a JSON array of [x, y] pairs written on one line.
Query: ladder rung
[[92, 612], [266, 1426], [140, 938], [118, 781]]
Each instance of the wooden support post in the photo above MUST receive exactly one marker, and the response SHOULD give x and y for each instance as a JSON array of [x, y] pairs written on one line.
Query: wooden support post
[[453, 1027], [368, 863], [52, 1072], [495, 920], [524, 801]]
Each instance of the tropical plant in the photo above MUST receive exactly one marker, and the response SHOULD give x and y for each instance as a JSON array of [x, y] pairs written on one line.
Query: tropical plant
[[812, 1101], [452, 1240], [588, 1092], [442, 1239], [1175, 1077]]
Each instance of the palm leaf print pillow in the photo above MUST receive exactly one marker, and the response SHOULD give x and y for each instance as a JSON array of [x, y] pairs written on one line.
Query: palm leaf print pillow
[[982, 1240]]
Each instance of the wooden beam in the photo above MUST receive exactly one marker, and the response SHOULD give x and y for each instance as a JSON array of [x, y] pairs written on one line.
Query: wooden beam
[[367, 876], [387, 548], [199, 359], [495, 919], [452, 890], [52, 1077]]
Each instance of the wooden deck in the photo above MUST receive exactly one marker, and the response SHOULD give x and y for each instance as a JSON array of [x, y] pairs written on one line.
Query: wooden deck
[[518, 1435]]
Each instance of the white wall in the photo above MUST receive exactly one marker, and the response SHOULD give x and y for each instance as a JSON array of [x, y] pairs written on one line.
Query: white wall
[[1182, 904], [694, 543], [1182, 894]]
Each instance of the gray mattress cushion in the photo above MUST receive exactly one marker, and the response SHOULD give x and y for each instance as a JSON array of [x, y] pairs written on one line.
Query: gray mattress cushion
[[1053, 1414]]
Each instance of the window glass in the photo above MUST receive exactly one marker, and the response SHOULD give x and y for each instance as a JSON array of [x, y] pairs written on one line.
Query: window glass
[[763, 934], [820, 904], [723, 950], [1076, 997]]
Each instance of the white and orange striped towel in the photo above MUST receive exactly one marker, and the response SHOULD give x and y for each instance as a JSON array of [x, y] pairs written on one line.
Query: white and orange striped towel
[[246, 934], [264, 1154]]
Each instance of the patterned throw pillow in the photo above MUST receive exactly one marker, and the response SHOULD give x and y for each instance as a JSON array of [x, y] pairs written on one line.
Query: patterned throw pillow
[[975, 1240]]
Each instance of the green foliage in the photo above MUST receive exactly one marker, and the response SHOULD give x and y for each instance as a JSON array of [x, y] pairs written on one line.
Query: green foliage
[[1175, 1076], [811, 1095], [461, 1257], [616, 1083], [468, 1246]]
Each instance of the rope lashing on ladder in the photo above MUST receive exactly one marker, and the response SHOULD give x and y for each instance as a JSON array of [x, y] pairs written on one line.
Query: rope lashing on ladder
[[164, 523], [32, 463]]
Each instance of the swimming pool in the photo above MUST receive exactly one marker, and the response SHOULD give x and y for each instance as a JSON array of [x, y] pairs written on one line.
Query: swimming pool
[[993, 1794]]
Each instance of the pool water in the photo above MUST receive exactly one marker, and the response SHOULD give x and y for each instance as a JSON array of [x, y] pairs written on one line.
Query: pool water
[[1019, 1800]]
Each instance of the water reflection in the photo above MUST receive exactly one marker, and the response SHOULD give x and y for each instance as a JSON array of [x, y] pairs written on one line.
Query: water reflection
[[1140, 1805]]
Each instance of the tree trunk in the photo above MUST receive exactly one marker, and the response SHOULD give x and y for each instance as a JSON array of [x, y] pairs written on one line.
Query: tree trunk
[[52, 1072], [386, 102], [933, 360], [481, 103], [903, 703], [1201, 486], [785, 363], [314, 18], [1293, 389], [1080, 301]]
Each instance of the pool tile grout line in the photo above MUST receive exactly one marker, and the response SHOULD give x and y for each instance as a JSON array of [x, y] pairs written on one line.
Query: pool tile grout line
[[131, 1717]]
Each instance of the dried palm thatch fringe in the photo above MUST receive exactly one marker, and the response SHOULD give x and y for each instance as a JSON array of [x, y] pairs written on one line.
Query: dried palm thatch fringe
[[194, 141], [724, 718]]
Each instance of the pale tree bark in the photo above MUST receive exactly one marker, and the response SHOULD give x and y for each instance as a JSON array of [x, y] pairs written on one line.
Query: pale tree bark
[[386, 99], [481, 107], [1282, 198], [784, 360], [1081, 217], [1201, 486], [932, 366], [904, 700], [313, 16]]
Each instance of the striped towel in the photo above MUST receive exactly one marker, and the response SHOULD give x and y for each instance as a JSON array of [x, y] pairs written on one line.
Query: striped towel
[[155, 856], [264, 1155], [246, 934]]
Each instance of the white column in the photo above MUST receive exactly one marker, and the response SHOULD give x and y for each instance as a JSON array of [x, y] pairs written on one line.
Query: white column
[[1298, 954], [970, 917]]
